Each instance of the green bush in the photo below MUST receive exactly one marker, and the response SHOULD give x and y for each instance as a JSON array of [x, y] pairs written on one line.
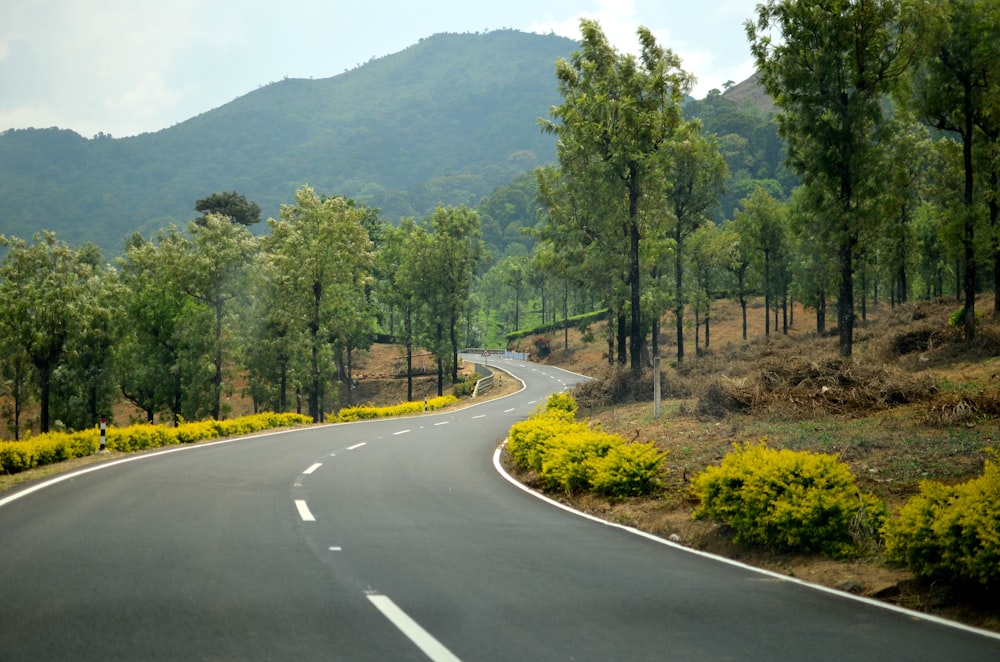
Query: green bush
[[950, 532], [464, 389], [789, 500]]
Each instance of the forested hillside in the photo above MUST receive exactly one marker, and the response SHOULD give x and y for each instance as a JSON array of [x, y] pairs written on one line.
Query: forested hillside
[[444, 121]]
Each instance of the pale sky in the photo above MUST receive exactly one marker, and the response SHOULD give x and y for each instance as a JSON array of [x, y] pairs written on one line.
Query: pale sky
[[126, 67]]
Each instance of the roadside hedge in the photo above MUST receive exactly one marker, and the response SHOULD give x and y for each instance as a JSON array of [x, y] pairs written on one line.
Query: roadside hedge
[[53, 447], [571, 456], [367, 412], [950, 532], [791, 500]]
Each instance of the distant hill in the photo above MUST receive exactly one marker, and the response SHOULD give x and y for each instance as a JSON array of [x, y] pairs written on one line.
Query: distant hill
[[444, 121], [750, 91]]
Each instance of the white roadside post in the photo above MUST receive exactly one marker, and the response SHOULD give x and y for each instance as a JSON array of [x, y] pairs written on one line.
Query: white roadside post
[[104, 435]]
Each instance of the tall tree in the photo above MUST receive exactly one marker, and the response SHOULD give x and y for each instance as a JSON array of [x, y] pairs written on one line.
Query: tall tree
[[211, 268], [85, 389], [955, 89], [400, 282], [829, 71], [696, 173], [44, 290], [324, 242], [763, 219], [455, 252], [619, 112]]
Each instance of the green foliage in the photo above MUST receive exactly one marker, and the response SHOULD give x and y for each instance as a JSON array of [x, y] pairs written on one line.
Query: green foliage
[[957, 318], [581, 322], [53, 447], [464, 388], [950, 532], [786, 499], [570, 456]]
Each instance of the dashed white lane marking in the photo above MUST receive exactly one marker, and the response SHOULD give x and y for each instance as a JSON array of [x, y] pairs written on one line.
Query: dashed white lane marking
[[351, 448], [430, 646], [480, 416], [507, 411], [400, 432], [335, 549], [313, 468], [304, 511], [442, 423]]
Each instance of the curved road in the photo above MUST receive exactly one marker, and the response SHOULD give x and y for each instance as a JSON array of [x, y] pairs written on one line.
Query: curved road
[[393, 540]]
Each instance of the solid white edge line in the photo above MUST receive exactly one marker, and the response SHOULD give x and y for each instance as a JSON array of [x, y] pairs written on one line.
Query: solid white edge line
[[313, 468], [304, 511], [430, 646], [768, 573]]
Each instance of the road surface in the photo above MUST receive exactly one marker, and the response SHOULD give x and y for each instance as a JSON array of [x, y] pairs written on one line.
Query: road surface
[[393, 540]]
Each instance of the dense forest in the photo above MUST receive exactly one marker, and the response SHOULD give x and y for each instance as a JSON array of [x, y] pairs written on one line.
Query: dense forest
[[874, 177]]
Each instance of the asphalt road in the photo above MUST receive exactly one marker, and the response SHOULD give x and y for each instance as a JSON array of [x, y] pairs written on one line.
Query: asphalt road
[[393, 540]]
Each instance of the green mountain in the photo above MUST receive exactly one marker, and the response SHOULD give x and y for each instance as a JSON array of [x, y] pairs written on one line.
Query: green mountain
[[444, 121]]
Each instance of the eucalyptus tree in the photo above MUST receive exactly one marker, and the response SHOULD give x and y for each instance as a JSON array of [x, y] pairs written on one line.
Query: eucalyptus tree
[[513, 274], [84, 389], [952, 90], [814, 261], [210, 268], [707, 256], [829, 69], [148, 367], [17, 375], [906, 168], [696, 172], [400, 281], [764, 221], [618, 115], [571, 228], [46, 296], [273, 337], [454, 253], [736, 257], [324, 245]]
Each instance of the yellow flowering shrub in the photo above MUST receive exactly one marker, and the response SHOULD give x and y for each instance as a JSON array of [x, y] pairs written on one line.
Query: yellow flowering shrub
[[368, 412], [52, 447], [571, 456], [950, 532], [792, 500]]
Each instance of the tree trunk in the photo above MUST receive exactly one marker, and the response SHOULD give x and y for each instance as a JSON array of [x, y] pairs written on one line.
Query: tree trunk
[[845, 299]]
